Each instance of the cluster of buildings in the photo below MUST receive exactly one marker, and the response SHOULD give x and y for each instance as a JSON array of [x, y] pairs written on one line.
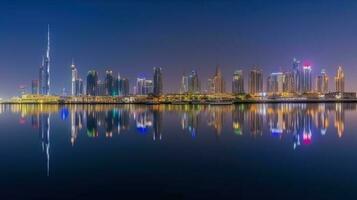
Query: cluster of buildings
[[298, 81]]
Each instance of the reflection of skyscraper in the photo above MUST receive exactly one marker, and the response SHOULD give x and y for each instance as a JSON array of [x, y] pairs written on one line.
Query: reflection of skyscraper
[[340, 119], [44, 131], [92, 128], [76, 124], [123, 120], [238, 82], [216, 120], [157, 119], [255, 119], [340, 80], [238, 119]]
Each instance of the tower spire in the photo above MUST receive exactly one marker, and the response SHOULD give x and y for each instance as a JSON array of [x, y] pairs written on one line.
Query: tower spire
[[48, 42]]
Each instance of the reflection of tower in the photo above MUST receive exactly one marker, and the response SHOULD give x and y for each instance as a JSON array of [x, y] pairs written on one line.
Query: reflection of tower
[[189, 121], [157, 118], [76, 125], [123, 120], [321, 118], [143, 122], [44, 131], [255, 120], [307, 122], [109, 123], [216, 120], [238, 119], [92, 124], [340, 119]]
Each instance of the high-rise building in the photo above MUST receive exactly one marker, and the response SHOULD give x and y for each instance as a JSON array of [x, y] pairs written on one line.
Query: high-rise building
[[44, 74], [101, 89], [35, 87], [78, 87], [218, 82], [306, 80], [92, 83], [157, 91], [123, 86], [340, 80], [289, 82], [296, 73], [238, 82], [322, 82], [275, 83], [184, 84], [255, 83], [74, 78], [143, 86], [109, 83], [193, 83]]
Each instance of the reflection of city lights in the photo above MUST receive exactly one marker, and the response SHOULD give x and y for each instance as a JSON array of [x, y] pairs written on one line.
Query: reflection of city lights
[[307, 138]]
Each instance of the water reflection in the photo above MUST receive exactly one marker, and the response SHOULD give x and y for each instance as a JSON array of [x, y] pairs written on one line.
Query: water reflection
[[300, 122]]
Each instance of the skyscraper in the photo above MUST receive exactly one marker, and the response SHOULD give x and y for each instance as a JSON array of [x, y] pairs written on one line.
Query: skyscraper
[[296, 87], [218, 82], [123, 86], [255, 81], [92, 83], [238, 82], [340, 80], [157, 81], [322, 82], [143, 86], [306, 80], [184, 84], [109, 83], [74, 78], [275, 83], [44, 75], [193, 83], [35, 87]]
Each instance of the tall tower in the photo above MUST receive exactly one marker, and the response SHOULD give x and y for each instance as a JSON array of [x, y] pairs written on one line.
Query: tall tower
[[238, 82], [255, 83], [74, 78], [157, 81], [306, 79], [45, 69], [340, 80]]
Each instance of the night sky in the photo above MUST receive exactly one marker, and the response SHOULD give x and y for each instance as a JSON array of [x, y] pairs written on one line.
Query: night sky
[[131, 37]]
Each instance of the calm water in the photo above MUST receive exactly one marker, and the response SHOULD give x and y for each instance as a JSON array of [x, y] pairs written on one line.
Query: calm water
[[270, 151]]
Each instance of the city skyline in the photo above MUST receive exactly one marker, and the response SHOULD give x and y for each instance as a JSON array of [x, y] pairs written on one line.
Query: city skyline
[[132, 54]]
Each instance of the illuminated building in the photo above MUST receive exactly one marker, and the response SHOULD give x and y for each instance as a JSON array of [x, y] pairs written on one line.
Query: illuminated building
[[92, 83], [217, 82], [143, 86], [109, 83], [296, 76], [184, 84], [35, 87], [255, 83], [238, 82], [101, 89], [157, 80], [288, 85], [123, 84], [322, 82], [340, 80], [193, 83], [306, 80], [44, 74], [275, 83], [74, 78]]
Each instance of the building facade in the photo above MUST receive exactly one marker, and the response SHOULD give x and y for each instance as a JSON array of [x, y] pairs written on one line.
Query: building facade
[[238, 82], [255, 83]]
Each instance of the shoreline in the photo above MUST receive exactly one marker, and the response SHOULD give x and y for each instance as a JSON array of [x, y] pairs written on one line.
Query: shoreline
[[260, 101]]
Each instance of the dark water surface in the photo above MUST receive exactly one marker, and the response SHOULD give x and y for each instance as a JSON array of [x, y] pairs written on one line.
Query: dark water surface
[[258, 151]]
